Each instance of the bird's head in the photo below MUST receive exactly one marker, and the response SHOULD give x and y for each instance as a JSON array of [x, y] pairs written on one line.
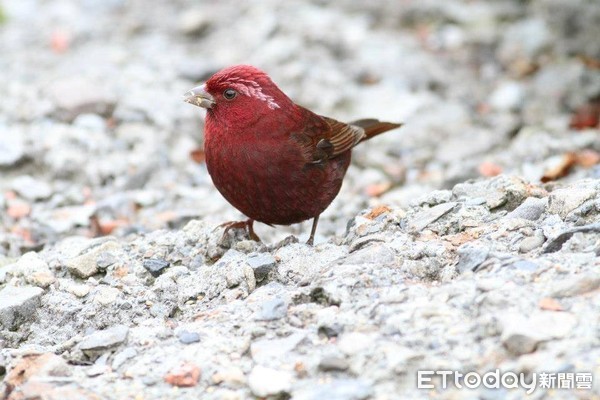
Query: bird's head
[[238, 95]]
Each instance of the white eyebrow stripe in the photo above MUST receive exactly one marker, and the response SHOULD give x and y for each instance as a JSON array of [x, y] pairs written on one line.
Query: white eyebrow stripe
[[252, 89]]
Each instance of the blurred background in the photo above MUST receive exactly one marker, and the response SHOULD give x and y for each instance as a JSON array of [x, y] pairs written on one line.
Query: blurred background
[[95, 138]]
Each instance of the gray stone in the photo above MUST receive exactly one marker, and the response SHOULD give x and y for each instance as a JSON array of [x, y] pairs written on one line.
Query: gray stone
[[105, 260], [98, 342], [575, 285], [556, 243], [261, 264], [266, 350], [18, 305], [426, 217], [77, 95], [187, 337], [563, 201], [123, 356], [333, 363], [12, 150], [264, 382], [86, 264], [272, 310], [522, 335], [525, 265], [337, 389], [531, 243], [470, 257], [33, 269], [508, 96], [30, 188], [156, 266], [532, 208]]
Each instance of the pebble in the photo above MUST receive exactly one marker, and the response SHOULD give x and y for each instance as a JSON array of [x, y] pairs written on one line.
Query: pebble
[[98, 342], [338, 389], [532, 209], [186, 375], [531, 243], [156, 266], [266, 350], [18, 305], [431, 215], [30, 188], [470, 257], [12, 150], [575, 285], [264, 382], [272, 310], [123, 356], [86, 265], [522, 334], [187, 337], [333, 363], [33, 269], [262, 264], [563, 201]]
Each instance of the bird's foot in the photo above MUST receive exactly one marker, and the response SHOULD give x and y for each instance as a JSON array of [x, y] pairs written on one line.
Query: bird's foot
[[246, 225]]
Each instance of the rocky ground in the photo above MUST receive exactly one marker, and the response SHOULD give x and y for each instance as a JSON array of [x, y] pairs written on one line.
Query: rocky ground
[[468, 240]]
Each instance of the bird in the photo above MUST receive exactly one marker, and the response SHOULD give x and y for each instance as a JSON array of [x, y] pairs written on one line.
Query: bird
[[275, 161]]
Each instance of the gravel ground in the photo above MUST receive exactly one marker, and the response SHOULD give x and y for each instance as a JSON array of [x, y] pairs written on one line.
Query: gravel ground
[[468, 240]]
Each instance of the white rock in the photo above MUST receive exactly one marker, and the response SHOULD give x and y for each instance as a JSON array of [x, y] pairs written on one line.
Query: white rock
[[269, 382]]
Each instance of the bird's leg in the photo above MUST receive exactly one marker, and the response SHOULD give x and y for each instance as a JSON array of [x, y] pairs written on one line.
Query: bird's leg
[[311, 239], [247, 225]]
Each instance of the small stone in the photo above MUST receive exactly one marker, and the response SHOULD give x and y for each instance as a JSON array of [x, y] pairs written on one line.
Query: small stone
[[266, 350], [186, 375], [563, 201], [194, 22], [156, 266], [522, 335], [332, 363], [532, 208], [233, 377], [470, 257], [98, 342], [261, 264], [575, 285], [187, 337], [12, 150], [30, 188], [18, 305], [76, 95], [121, 357], [39, 366], [531, 243], [272, 310], [105, 260], [106, 295], [508, 96], [525, 265], [86, 265], [342, 389], [430, 215], [265, 382], [77, 289], [355, 342], [33, 269]]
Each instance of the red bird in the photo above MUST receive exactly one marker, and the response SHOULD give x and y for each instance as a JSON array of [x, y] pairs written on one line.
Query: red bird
[[273, 160]]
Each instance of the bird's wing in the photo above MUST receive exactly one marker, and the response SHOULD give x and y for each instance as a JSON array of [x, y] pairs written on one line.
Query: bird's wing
[[323, 138]]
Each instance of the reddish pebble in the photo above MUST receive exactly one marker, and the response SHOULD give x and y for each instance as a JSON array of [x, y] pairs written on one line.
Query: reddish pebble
[[186, 375], [489, 169]]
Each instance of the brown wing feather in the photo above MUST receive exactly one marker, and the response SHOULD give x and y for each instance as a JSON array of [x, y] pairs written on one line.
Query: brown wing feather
[[324, 138]]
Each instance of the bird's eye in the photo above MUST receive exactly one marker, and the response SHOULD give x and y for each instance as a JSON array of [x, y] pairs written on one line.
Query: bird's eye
[[229, 94]]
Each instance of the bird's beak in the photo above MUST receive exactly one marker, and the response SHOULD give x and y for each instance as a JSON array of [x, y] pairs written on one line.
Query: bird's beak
[[198, 96]]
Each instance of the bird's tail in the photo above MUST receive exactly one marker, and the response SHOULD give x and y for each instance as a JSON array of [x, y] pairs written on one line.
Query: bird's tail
[[374, 127]]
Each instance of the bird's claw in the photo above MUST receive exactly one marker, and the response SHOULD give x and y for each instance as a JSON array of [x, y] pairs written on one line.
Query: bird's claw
[[246, 225]]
